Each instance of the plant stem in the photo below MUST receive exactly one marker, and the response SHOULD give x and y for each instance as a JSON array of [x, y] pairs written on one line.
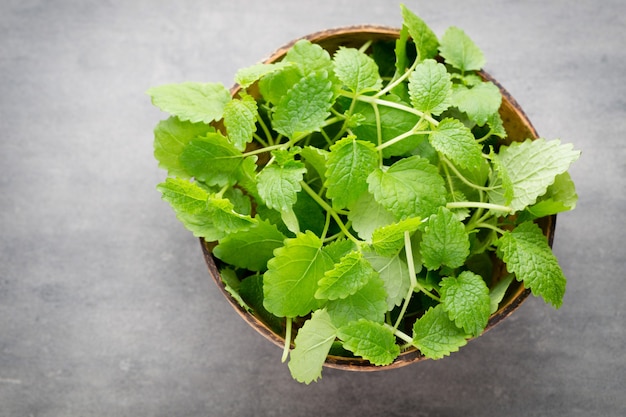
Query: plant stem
[[490, 226], [462, 178], [478, 204], [399, 106], [288, 325], [400, 334]]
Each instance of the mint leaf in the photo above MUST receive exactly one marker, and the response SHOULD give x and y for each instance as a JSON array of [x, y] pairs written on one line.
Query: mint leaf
[[430, 87], [530, 167], [189, 202], [212, 159], [456, 142], [394, 272], [313, 343], [305, 107], [561, 196], [460, 51], [372, 341], [411, 187], [195, 102], [479, 102], [170, 138], [337, 249], [356, 70], [349, 163], [250, 249], [231, 285], [279, 185], [224, 216], [310, 57], [347, 276], [466, 299], [389, 240], [368, 302], [240, 120], [436, 336], [290, 282], [526, 252], [444, 241], [425, 40], [245, 77], [496, 294], [367, 215], [316, 158]]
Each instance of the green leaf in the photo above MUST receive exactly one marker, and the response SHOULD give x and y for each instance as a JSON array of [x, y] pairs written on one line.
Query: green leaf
[[170, 138], [526, 252], [189, 202], [372, 341], [444, 241], [245, 77], [367, 215], [460, 51], [496, 125], [394, 273], [393, 122], [456, 142], [240, 120], [436, 336], [480, 102], [251, 291], [349, 163], [389, 240], [411, 187], [339, 248], [250, 249], [430, 87], [368, 302], [195, 102], [356, 70], [231, 285], [225, 218], [425, 40], [466, 299], [290, 282], [496, 294], [275, 85], [561, 196], [315, 158], [279, 185], [310, 57], [305, 107], [212, 159], [530, 167], [313, 343], [350, 274]]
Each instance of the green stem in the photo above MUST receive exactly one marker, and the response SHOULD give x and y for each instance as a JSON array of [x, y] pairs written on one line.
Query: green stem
[[263, 150], [399, 106], [491, 226], [462, 178], [288, 325], [400, 334], [398, 81], [478, 204]]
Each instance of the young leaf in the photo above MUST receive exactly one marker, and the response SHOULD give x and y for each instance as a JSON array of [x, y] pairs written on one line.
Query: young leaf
[[291, 280], [430, 87], [531, 167], [279, 185], [245, 77], [240, 120], [436, 336], [337, 249], [250, 249], [455, 141], [394, 273], [561, 196], [231, 285], [411, 187], [389, 240], [310, 57], [316, 158], [526, 252], [275, 85], [212, 159], [496, 294], [479, 102], [460, 51], [195, 102], [313, 343], [367, 215], [170, 138], [356, 70], [466, 299], [350, 274], [225, 218], [349, 163], [369, 302], [425, 40], [305, 107], [372, 341], [444, 241]]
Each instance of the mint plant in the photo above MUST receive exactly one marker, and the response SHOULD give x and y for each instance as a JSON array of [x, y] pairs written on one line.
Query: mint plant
[[358, 198]]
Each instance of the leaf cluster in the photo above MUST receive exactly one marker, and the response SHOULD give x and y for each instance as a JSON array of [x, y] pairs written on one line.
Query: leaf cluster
[[364, 203]]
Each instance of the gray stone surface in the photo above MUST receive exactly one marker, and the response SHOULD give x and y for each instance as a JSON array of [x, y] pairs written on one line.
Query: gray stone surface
[[106, 308]]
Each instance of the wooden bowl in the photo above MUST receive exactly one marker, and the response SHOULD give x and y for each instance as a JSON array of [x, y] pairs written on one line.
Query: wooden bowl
[[518, 128]]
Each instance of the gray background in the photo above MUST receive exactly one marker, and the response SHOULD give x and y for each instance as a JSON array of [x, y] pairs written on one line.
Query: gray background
[[106, 307]]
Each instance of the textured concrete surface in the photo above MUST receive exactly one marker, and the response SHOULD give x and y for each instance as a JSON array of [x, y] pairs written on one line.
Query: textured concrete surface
[[106, 308]]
